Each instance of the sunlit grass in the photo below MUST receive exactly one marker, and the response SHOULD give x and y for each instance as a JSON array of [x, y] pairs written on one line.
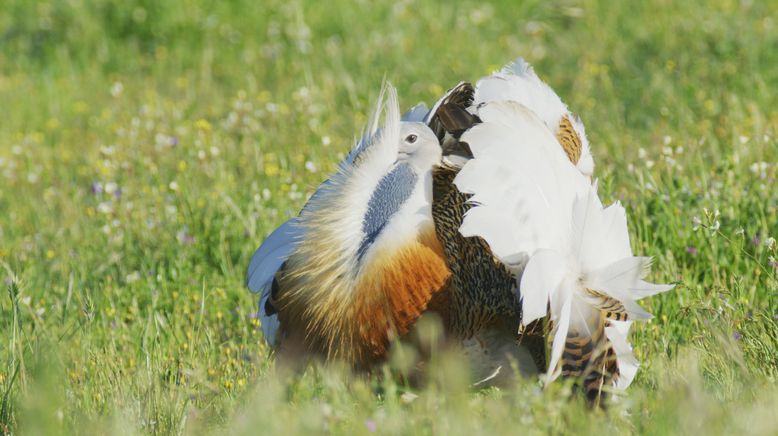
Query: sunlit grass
[[147, 148]]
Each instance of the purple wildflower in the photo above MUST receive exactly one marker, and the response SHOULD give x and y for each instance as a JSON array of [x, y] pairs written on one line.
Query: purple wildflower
[[737, 336], [371, 425], [691, 250], [173, 141], [756, 240], [97, 188]]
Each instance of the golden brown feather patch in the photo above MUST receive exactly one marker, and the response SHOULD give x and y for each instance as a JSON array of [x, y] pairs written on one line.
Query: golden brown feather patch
[[569, 140]]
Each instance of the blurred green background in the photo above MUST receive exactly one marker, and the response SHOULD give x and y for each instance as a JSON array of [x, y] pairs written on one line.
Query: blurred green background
[[147, 147]]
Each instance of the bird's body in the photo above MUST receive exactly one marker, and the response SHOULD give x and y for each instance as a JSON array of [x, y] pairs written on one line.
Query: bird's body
[[353, 319], [481, 210]]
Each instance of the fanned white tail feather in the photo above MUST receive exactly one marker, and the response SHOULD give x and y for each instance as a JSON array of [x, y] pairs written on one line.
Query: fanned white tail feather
[[518, 82], [529, 200], [522, 183], [596, 269], [617, 333]]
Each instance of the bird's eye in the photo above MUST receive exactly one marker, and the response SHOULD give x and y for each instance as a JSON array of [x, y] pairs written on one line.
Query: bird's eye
[[410, 139]]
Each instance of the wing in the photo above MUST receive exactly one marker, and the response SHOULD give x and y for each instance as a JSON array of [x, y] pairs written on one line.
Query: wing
[[525, 196], [264, 265], [518, 82], [416, 114], [522, 184]]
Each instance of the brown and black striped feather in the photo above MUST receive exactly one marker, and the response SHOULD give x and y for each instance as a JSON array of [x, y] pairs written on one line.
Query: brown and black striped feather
[[481, 292]]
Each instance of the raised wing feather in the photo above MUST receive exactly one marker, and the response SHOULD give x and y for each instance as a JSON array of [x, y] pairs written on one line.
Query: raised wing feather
[[417, 113], [272, 254], [522, 183], [518, 82]]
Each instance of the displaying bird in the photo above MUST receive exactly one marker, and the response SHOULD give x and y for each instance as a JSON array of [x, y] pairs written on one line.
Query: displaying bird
[[481, 210]]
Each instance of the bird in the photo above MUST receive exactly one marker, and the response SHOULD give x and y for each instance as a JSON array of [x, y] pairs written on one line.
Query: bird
[[525, 189], [482, 210]]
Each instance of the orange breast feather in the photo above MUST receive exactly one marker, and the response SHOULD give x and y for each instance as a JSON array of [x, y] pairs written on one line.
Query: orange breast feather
[[355, 321], [396, 290]]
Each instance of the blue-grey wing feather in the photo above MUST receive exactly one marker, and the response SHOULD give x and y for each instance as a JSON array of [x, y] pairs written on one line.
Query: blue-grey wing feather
[[417, 113], [272, 254], [264, 264]]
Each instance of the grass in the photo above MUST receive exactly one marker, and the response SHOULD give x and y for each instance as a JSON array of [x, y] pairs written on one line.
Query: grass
[[147, 148]]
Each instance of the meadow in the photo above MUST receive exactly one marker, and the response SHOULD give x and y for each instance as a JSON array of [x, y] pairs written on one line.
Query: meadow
[[147, 148]]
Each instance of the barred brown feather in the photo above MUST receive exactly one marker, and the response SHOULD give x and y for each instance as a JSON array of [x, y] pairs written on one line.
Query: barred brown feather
[[569, 140]]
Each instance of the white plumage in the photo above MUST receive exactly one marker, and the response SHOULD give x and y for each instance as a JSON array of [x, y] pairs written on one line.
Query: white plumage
[[518, 82], [531, 202], [595, 255], [521, 180]]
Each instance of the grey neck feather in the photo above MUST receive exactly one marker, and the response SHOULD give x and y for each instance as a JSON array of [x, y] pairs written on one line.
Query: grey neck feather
[[392, 191]]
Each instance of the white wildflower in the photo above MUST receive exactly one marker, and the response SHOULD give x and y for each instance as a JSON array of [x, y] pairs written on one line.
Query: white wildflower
[[696, 223], [116, 89], [110, 188], [132, 277], [105, 207]]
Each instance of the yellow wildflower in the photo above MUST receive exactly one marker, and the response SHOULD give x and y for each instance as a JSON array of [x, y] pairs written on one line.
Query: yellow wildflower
[[203, 125]]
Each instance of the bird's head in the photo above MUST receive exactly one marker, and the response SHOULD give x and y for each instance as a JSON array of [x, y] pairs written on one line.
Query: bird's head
[[418, 147]]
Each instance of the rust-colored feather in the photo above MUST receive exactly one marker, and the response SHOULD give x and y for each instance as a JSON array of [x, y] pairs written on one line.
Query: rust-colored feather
[[354, 320]]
